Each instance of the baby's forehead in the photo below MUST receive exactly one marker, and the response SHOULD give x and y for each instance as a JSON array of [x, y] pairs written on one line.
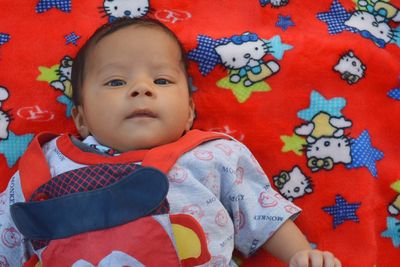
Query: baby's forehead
[[151, 45], [136, 34]]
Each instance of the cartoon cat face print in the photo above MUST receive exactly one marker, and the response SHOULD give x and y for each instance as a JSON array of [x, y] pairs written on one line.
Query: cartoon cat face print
[[244, 54], [238, 55], [293, 184], [65, 69], [372, 27], [5, 118], [350, 67], [64, 72], [326, 141], [126, 8], [335, 148]]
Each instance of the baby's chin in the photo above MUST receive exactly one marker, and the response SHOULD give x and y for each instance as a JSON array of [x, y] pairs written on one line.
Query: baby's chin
[[143, 144]]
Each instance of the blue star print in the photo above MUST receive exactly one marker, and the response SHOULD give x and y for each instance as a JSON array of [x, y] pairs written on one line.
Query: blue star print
[[4, 38], [342, 211], [205, 53], [45, 5], [319, 104], [14, 146], [277, 47], [335, 18], [72, 38], [363, 154], [284, 22], [394, 93], [68, 102], [393, 231]]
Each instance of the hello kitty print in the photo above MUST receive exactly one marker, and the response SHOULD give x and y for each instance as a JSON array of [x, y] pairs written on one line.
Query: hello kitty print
[[125, 8], [249, 59], [372, 19], [312, 89], [243, 55], [351, 68], [326, 143]]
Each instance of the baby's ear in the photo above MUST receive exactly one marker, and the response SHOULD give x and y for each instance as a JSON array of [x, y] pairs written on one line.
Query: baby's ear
[[79, 120], [191, 116]]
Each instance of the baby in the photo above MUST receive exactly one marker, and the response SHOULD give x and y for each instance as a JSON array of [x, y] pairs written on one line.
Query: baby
[[134, 111]]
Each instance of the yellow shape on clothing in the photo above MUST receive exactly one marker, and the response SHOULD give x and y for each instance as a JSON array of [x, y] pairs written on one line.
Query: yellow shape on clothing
[[187, 242]]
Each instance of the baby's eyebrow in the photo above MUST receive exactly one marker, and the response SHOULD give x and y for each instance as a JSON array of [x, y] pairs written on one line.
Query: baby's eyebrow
[[110, 66], [166, 66]]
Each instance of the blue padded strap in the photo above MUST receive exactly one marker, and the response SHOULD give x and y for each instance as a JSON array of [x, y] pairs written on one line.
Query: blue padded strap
[[134, 196]]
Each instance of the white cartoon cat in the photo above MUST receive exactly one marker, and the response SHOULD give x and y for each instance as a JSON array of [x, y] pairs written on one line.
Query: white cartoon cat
[[125, 8], [350, 67], [64, 72], [324, 152], [372, 27], [244, 53], [293, 184], [5, 118], [326, 142]]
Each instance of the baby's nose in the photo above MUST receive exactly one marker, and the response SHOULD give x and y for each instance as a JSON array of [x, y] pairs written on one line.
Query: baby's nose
[[142, 89], [146, 93]]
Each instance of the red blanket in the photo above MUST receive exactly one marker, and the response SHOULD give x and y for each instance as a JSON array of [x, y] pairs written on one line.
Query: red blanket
[[313, 89]]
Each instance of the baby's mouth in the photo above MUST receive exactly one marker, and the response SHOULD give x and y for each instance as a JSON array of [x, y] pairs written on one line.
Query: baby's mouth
[[142, 113]]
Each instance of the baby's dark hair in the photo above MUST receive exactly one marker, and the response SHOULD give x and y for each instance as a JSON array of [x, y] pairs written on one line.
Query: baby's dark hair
[[78, 66]]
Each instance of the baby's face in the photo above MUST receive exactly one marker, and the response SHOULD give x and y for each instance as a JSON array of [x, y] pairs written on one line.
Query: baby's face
[[135, 93]]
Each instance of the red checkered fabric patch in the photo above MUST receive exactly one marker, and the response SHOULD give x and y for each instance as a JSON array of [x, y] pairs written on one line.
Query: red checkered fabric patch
[[82, 180]]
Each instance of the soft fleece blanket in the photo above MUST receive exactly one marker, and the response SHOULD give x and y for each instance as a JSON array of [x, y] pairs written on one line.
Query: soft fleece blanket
[[311, 87]]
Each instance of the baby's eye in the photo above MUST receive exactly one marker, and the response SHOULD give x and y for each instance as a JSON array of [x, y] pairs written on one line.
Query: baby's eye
[[162, 81], [115, 83]]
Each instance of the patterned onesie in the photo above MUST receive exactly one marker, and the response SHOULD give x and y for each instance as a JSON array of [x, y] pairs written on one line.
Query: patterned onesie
[[216, 180]]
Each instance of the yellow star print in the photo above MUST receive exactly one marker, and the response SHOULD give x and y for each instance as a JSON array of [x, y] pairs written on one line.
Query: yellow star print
[[293, 143], [241, 92], [396, 186], [48, 74]]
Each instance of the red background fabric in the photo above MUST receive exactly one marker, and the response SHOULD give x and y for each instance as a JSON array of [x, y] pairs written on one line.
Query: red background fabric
[[33, 39]]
